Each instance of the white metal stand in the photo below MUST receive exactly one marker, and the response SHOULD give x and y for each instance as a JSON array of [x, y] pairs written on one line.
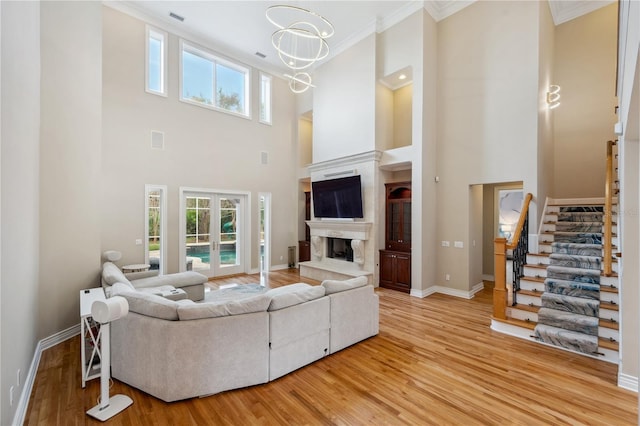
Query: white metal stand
[[108, 407], [89, 334]]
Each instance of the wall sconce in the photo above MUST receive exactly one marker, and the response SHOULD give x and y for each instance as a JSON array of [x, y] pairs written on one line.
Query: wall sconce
[[553, 96]]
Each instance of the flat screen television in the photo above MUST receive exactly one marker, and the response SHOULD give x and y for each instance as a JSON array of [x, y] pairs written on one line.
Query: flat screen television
[[339, 198]]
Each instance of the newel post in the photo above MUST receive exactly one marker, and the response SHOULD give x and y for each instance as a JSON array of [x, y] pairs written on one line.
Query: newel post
[[500, 274]]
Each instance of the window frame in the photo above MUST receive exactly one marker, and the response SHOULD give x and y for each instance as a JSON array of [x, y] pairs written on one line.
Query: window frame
[[208, 55], [269, 102], [164, 39]]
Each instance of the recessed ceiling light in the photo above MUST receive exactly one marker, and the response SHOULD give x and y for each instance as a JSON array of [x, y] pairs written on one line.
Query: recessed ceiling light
[[402, 77], [176, 16]]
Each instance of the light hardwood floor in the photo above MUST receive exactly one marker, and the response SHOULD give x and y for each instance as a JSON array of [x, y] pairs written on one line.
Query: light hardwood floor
[[435, 361]]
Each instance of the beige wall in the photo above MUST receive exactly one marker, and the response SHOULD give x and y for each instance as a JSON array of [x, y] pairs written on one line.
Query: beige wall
[[402, 126], [203, 149], [487, 117], [19, 196], [546, 49], [70, 159], [344, 103], [585, 68]]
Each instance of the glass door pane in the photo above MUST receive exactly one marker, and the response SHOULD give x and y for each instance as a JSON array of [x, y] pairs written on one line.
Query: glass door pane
[[155, 227], [197, 235]]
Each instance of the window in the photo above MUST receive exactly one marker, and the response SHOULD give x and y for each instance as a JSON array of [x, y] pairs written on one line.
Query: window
[[265, 98], [155, 226], [209, 81], [156, 62]]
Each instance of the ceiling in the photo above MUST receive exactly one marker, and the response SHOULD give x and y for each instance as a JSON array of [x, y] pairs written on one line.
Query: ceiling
[[239, 28]]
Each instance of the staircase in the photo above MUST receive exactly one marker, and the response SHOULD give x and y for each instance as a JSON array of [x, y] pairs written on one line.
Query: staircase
[[564, 299]]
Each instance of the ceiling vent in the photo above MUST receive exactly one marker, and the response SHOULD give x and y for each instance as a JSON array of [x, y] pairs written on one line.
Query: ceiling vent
[[261, 55], [176, 16]]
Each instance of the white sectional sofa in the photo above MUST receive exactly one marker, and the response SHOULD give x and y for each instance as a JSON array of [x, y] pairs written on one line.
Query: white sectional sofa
[[176, 350]]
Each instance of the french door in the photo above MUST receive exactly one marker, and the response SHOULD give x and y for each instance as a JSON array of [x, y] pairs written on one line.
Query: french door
[[213, 233]]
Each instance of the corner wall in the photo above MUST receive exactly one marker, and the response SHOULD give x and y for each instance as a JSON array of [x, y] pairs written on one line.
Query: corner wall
[[19, 196]]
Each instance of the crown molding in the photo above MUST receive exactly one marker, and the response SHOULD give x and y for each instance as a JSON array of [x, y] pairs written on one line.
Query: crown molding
[[441, 9], [563, 11]]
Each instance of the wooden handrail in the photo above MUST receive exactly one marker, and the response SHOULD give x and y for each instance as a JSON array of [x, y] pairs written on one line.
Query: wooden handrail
[[501, 245], [608, 213], [523, 215]]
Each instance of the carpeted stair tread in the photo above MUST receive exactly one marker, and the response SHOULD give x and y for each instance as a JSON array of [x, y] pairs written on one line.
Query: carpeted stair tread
[[582, 209], [575, 261], [579, 227], [567, 339], [578, 237], [569, 321], [576, 305], [572, 288], [574, 274], [580, 217], [579, 249]]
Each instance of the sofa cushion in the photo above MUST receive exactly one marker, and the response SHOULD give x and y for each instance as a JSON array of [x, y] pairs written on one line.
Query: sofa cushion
[[151, 305], [335, 286], [118, 288], [293, 294], [111, 274], [180, 279], [258, 303]]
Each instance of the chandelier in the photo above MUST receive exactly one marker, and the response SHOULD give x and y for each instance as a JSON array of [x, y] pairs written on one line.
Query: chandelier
[[300, 40]]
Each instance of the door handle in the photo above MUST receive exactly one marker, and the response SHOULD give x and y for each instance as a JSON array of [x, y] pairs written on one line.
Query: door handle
[[213, 245]]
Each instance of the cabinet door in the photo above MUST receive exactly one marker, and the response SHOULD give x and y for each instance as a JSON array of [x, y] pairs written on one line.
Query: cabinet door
[[386, 268], [403, 270]]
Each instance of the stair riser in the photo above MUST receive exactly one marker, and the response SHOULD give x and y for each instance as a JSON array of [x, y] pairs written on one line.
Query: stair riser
[[610, 297], [608, 333], [606, 314], [523, 315], [531, 285], [533, 272], [534, 259], [547, 239], [525, 299]]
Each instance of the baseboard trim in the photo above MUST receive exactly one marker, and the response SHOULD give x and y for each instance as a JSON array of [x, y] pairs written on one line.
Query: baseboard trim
[[46, 343], [448, 291], [628, 382], [488, 277]]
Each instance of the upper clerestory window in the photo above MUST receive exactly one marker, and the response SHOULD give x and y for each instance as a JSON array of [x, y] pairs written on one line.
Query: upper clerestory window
[[265, 98], [156, 61], [210, 81]]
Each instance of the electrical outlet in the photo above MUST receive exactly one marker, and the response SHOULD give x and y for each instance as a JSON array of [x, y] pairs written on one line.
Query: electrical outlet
[[18, 378], [11, 396], [458, 244], [445, 244], [138, 242], [447, 277]]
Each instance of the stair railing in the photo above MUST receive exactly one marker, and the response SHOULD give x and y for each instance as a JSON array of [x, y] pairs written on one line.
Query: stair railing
[[519, 245], [608, 211]]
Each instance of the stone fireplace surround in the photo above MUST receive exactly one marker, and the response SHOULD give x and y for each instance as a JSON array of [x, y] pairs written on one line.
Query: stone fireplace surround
[[321, 266]]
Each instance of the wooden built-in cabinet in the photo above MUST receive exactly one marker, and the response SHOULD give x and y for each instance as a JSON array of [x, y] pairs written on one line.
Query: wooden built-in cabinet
[[395, 259], [304, 246]]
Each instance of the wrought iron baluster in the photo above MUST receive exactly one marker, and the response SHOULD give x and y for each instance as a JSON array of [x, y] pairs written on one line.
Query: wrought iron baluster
[[520, 257]]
